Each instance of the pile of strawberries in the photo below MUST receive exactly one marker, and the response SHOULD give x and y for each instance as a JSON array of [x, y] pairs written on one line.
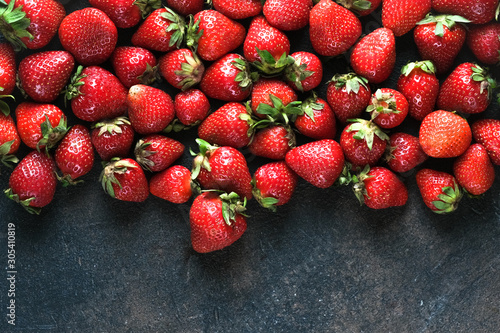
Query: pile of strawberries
[[236, 54]]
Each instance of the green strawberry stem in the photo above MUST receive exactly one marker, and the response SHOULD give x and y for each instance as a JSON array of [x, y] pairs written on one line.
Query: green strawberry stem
[[442, 21], [142, 154], [5, 158], [270, 67], [178, 26], [356, 5], [150, 75], [382, 103], [191, 71], [245, 77], [366, 130], [448, 200], [14, 25], [265, 202], [426, 65], [351, 81], [52, 135], [147, 6], [201, 159], [279, 112], [24, 203], [232, 206], [297, 72], [4, 107], [67, 180], [108, 178], [73, 88], [192, 34], [310, 105], [359, 187], [481, 75], [111, 126]]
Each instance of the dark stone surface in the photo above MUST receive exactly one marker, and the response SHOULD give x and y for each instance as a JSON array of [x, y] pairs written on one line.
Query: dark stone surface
[[322, 263]]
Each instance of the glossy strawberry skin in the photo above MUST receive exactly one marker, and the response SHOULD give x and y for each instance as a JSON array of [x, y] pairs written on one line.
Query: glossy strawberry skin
[[8, 132], [473, 170], [133, 65], [312, 64], [384, 189], [404, 152], [323, 125], [172, 184], [191, 106], [123, 13], [186, 7], [476, 11], [171, 68], [112, 140], [347, 103], [275, 180], [487, 132], [287, 15], [318, 162], [238, 10], [209, 231], [431, 184], [263, 36], [157, 152], [43, 75], [9, 68], [395, 113], [152, 33], [266, 86], [402, 15], [131, 184], [484, 42], [357, 151], [272, 142], [89, 35]]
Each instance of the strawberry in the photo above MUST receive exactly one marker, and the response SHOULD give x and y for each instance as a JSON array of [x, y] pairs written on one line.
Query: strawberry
[[112, 138], [162, 30], [473, 170], [404, 153], [439, 190], [320, 162], [186, 7], [444, 134], [274, 184], [31, 24], [272, 142], [227, 126], [238, 10], [332, 28], [486, 132], [476, 11], [75, 155], [273, 97], [374, 56], [305, 73], [134, 65], [156, 152], [9, 70], [287, 15], [484, 42], [348, 95], [40, 125], [363, 142], [216, 221], [89, 35], [222, 168], [318, 120], [440, 39], [228, 79], [214, 35], [172, 184], [191, 107], [124, 179], [126, 13], [181, 68], [43, 75], [360, 7], [380, 188], [402, 15], [467, 89], [9, 139], [33, 182], [96, 94], [388, 108], [419, 85], [150, 109]]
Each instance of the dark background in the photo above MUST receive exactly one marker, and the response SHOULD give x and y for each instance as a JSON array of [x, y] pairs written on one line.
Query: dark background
[[322, 263]]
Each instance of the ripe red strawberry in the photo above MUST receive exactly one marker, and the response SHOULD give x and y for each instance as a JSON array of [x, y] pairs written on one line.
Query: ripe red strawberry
[[89, 35], [332, 28], [33, 182], [75, 155], [40, 125], [404, 152], [467, 89], [214, 34], [306, 72], [274, 98], [318, 120], [476, 11], [388, 108], [181, 68], [484, 42], [126, 13], [124, 180], [40, 21], [440, 39], [402, 15], [444, 134], [486, 132], [172, 184], [162, 30], [238, 10], [361, 8], [287, 15], [191, 107], [439, 190], [473, 170], [216, 221], [374, 56], [112, 138], [150, 109], [186, 7], [318, 162], [274, 184], [96, 94], [9, 69], [228, 79], [134, 65], [419, 85], [363, 142], [222, 168], [156, 152], [227, 126], [9, 139], [380, 188], [43, 75], [272, 142], [348, 95]]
